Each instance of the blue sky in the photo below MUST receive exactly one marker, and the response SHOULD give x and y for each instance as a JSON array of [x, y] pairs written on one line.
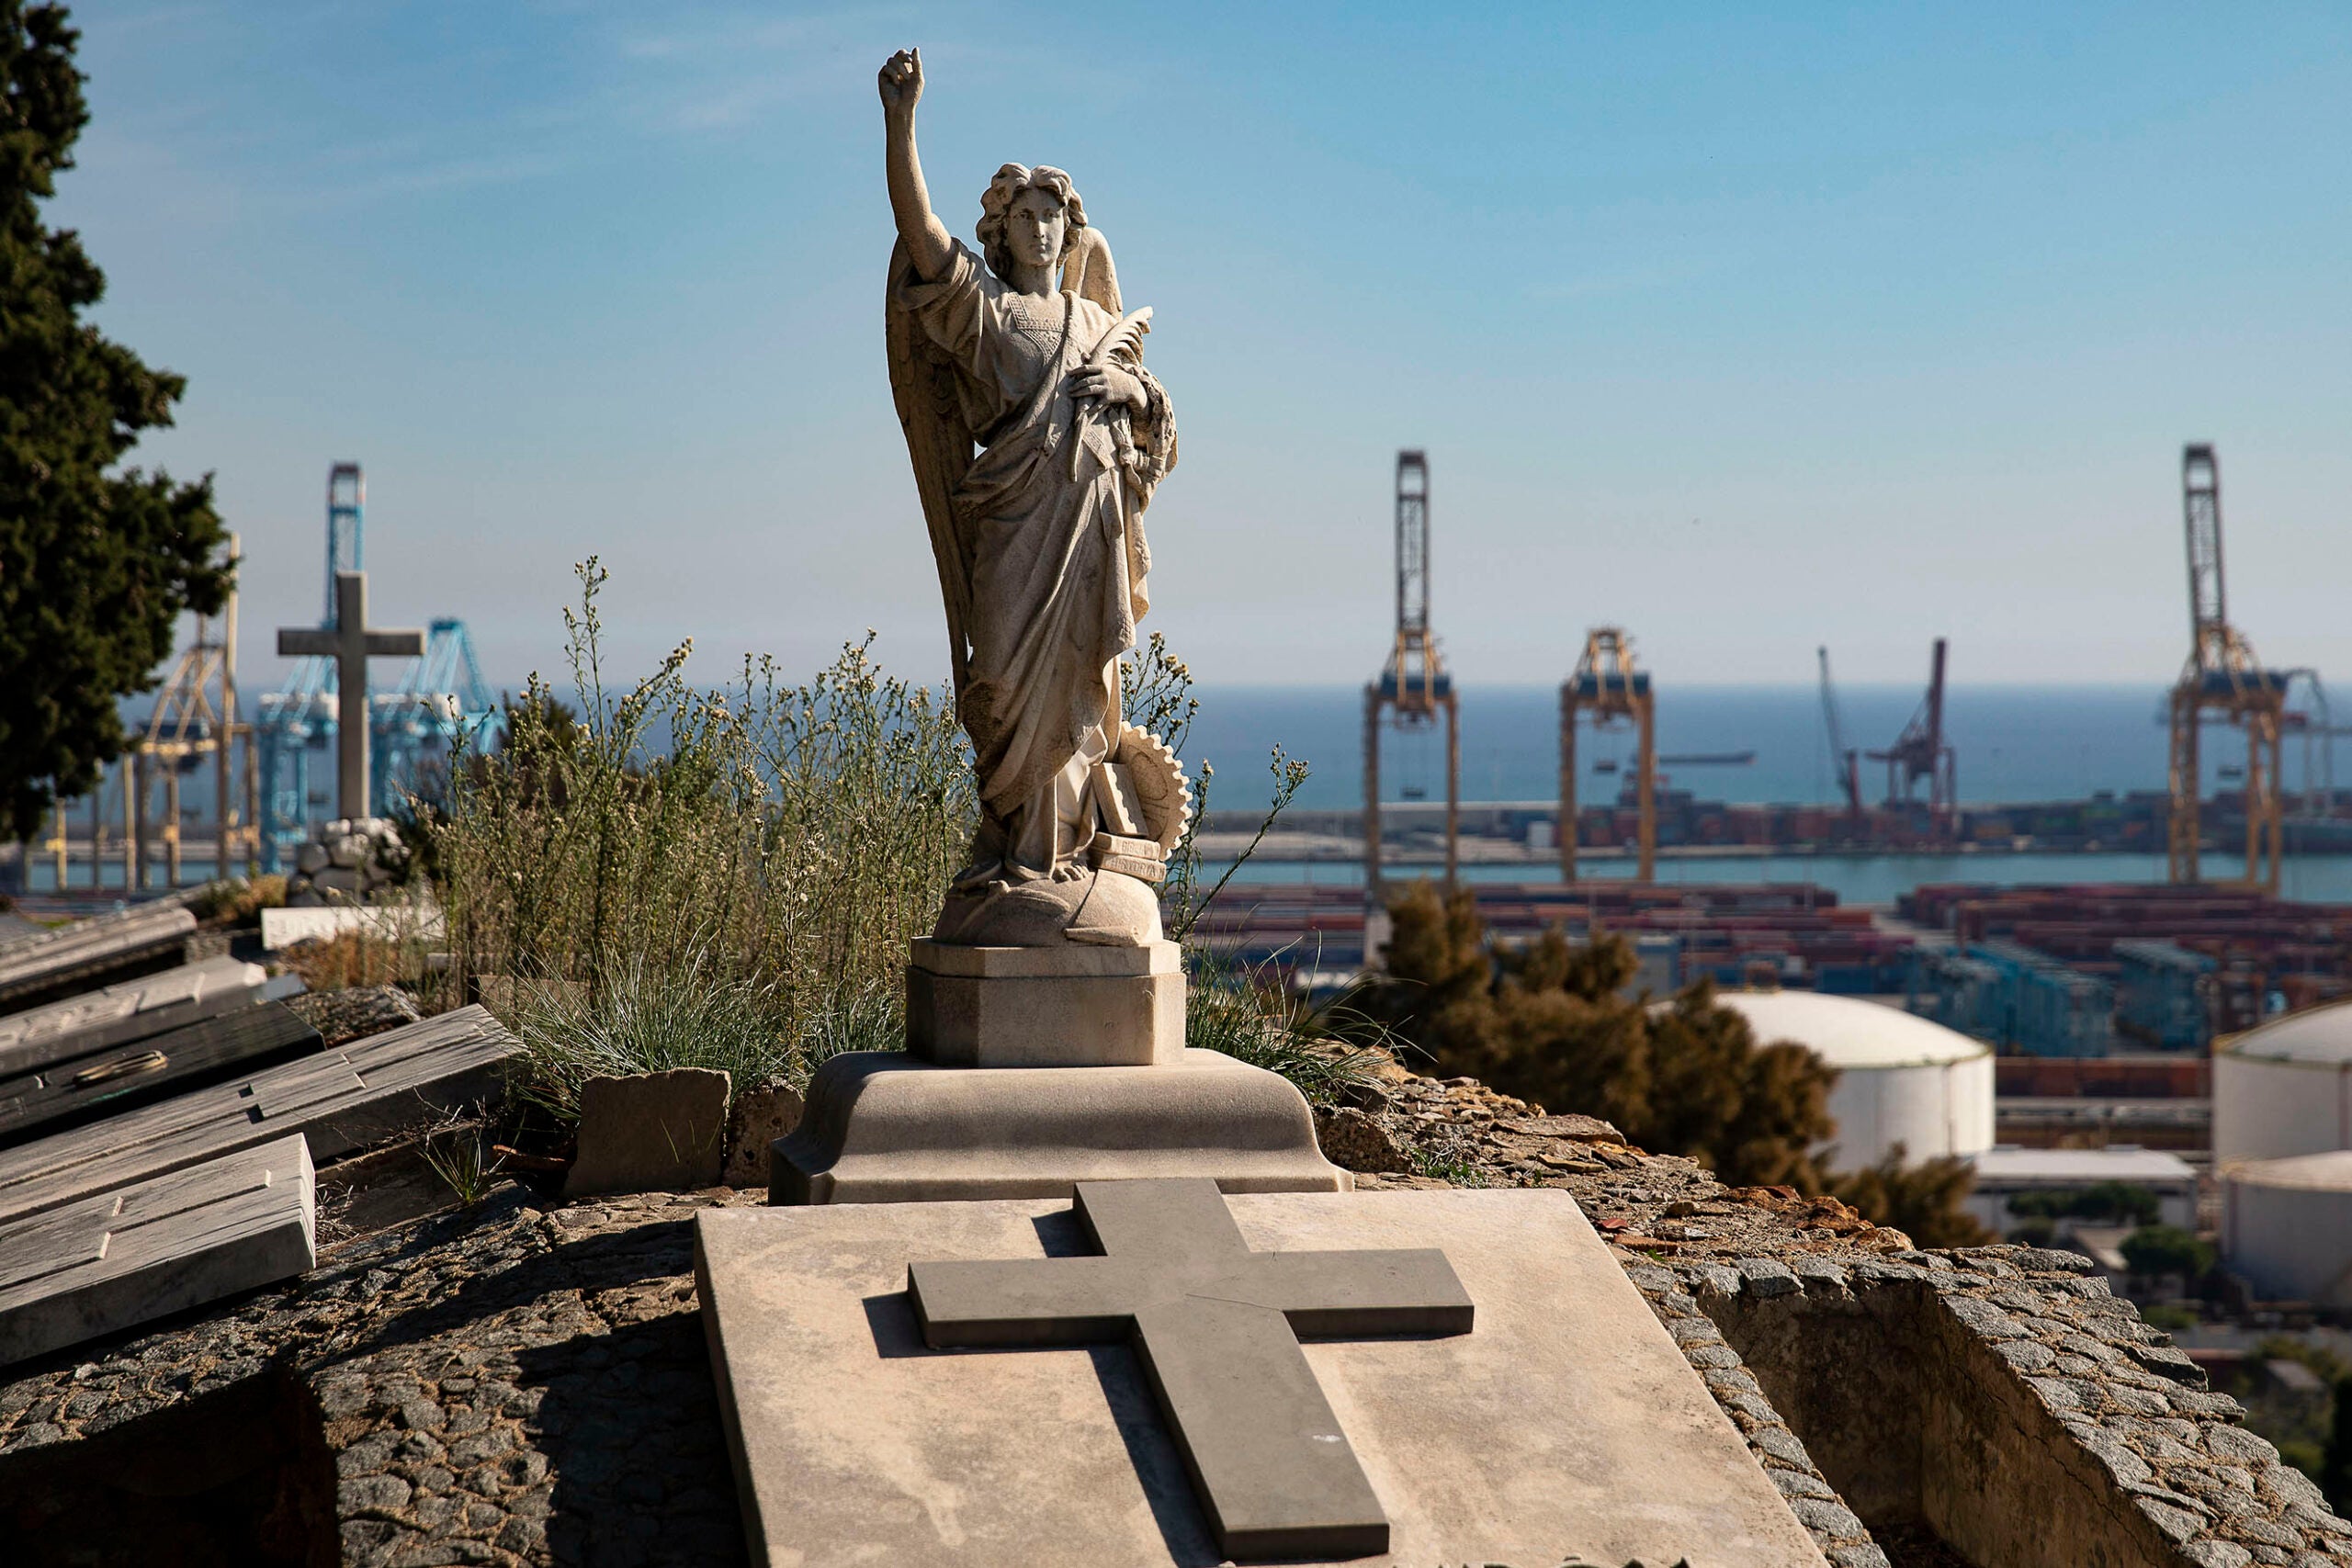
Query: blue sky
[[1749, 332]]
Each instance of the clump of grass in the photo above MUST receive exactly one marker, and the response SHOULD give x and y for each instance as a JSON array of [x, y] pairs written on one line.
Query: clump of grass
[[236, 901], [1252, 1018], [353, 958], [1449, 1163], [459, 1152], [643, 1015]]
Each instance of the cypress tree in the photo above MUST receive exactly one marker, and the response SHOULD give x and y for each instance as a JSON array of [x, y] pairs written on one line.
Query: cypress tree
[[96, 560]]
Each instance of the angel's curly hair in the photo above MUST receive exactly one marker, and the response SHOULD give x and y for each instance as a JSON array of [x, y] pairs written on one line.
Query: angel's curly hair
[[997, 201]]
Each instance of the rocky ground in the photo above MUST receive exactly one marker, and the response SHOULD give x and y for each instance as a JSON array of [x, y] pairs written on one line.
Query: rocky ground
[[527, 1383]]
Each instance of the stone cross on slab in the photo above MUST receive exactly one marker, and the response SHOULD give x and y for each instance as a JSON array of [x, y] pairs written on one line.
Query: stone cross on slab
[[350, 644], [1217, 1327]]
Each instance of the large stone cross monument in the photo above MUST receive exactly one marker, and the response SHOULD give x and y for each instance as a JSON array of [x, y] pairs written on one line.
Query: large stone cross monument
[[350, 644]]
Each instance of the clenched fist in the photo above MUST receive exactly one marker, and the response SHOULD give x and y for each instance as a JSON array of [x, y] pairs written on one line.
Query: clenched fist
[[901, 80]]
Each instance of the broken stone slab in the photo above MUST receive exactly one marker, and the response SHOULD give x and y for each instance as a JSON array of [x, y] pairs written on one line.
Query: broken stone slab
[[349, 1098], [133, 1009], [1354, 1141], [651, 1132], [122, 1258], [755, 1119], [1045, 1006], [1516, 1442], [87, 953], [1573, 1127], [888, 1127]]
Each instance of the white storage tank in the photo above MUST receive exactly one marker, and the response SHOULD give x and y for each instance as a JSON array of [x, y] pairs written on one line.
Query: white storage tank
[[1900, 1078], [2286, 1087], [2287, 1226]]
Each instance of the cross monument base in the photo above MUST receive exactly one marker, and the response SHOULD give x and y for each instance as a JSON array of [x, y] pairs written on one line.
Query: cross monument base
[[883, 1127]]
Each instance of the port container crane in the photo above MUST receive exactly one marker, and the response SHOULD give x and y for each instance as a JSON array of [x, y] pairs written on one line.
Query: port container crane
[[1922, 753], [1414, 685], [2223, 679], [1607, 684]]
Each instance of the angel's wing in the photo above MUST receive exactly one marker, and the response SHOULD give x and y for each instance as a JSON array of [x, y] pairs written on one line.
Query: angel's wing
[[1087, 271], [922, 383]]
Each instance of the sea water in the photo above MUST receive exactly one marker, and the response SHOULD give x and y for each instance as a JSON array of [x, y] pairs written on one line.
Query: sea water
[[2013, 744]]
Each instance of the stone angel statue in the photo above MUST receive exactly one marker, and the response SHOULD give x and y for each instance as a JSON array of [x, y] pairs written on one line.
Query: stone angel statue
[[1037, 439]]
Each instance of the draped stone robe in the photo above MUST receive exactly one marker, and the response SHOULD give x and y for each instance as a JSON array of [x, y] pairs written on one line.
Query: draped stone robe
[[1054, 537]]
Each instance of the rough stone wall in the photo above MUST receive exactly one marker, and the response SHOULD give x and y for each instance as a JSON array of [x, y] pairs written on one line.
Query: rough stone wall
[[509, 1386], [1995, 1397]]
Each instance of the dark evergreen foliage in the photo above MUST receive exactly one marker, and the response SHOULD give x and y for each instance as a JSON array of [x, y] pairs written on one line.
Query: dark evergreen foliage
[[1556, 1023], [97, 561], [1922, 1201]]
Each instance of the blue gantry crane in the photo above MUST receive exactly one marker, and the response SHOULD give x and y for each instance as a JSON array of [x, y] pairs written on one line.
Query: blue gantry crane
[[417, 722]]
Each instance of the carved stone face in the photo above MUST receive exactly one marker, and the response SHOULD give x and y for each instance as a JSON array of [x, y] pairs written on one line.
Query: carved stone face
[[1033, 226]]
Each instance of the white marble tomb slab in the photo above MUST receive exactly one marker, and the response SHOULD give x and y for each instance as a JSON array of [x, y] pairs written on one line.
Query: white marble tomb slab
[[129, 1256], [1567, 1422], [344, 1099], [281, 929]]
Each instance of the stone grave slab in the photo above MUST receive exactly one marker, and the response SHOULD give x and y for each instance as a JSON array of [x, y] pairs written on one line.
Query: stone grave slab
[[159, 1247], [137, 1071], [651, 1132], [1565, 1425], [281, 929], [34, 967], [133, 1009], [341, 1100]]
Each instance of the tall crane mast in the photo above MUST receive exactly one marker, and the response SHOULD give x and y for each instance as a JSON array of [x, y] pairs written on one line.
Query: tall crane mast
[[1414, 685], [1608, 685], [1922, 753], [1846, 760], [2224, 679]]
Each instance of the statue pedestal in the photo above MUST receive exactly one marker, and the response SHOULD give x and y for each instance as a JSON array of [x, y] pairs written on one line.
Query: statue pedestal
[[882, 1127], [1045, 1006]]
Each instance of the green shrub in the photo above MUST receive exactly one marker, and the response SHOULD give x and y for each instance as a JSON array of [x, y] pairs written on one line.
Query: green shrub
[[1252, 1019], [2154, 1250]]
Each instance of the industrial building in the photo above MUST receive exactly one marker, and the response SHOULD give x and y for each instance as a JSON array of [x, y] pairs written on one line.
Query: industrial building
[[2285, 1089], [2005, 1171], [1901, 1080], [2286, 1227]]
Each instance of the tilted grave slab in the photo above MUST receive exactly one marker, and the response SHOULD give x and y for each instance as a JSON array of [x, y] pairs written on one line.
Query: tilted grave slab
[[1564, 1425], [88, 953], [139, 1071], [134, 1010], [122, 1258], [341, 1100]]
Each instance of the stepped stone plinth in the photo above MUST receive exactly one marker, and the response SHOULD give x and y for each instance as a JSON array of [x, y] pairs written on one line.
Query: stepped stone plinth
[[1031, 1069]]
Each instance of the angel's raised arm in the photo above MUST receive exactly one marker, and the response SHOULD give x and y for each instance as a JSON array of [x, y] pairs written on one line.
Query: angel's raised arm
[[925, 236]]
